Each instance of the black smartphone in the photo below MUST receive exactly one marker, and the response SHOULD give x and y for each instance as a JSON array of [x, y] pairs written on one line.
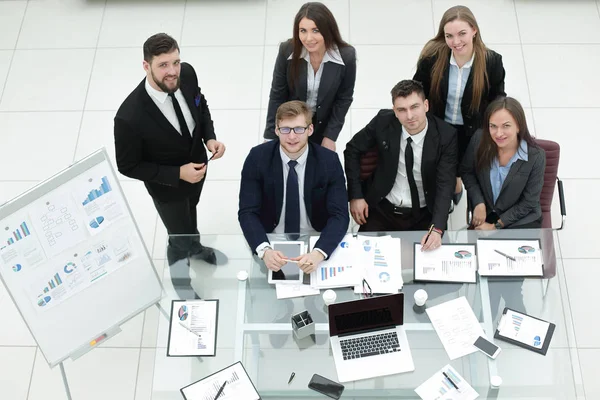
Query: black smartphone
[[326, 386]]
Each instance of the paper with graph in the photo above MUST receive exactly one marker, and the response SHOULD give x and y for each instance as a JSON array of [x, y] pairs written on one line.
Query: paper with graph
[[374, 259], [340, 269], [238, 386], [448, 263], [514, 257], [380, 258], [523, 328], [441, 386]]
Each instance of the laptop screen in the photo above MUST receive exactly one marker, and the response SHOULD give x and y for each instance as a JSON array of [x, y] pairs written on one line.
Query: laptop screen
[[366, 314]]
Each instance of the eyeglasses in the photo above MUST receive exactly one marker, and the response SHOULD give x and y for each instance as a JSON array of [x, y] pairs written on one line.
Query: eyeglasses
[[298, 130], [367, 292]]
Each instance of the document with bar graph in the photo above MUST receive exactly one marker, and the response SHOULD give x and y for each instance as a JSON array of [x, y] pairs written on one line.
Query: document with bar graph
[[446, 384], [448, 263], [510, 257], [340, 269], [238, 386], [525, 331]]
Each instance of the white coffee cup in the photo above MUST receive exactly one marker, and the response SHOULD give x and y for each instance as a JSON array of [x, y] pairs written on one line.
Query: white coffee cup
[[329, 297], [420, 297], [496, 381]]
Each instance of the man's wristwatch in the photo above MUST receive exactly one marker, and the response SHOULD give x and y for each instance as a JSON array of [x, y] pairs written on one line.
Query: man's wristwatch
[[498, 225], [261, 252]]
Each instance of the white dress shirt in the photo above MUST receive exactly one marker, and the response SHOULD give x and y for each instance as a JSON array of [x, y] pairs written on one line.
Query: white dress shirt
[[400, 193], [305, 226], [313, 80], [457, 81], [166, 107]]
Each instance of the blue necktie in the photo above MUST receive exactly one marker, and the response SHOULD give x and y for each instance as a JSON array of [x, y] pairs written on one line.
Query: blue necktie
[[292, 201]]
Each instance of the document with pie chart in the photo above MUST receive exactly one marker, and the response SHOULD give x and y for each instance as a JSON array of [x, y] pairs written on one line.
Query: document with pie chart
[[193, 328]]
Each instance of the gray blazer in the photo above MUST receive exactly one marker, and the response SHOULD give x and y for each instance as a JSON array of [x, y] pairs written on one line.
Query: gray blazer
[[519, 199]]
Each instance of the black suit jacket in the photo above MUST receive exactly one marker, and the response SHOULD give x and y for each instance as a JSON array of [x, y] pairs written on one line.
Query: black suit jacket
[[261, 195], [472, 121], [334, 97], [438, 166], [519, 199], [150, 149]]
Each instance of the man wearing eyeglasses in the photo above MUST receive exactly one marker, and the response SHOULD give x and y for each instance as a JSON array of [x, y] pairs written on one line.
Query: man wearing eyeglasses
[[290, 185]]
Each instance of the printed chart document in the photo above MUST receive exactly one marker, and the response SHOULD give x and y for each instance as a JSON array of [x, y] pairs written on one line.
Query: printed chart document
[[512, 257], [525, 331], [193, 328], [457, 327], [380, 258], [448, 263], [299, 290], [441, 386], [340, 269], [238, 386]]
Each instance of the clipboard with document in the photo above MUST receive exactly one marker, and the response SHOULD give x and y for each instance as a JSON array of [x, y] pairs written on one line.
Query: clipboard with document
[[525, 331]]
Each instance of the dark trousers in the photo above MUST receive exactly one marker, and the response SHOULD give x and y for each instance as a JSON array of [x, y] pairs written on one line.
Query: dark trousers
[[463, 142], [383, 219], [180, 218]]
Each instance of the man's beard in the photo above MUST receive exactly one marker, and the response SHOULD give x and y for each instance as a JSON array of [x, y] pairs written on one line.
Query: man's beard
[[164, 87]]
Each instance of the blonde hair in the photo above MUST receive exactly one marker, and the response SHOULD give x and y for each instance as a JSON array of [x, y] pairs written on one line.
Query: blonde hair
[[291, 109], [438, 48]]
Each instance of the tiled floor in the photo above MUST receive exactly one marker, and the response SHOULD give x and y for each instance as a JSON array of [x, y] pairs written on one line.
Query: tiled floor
[[66, 65]]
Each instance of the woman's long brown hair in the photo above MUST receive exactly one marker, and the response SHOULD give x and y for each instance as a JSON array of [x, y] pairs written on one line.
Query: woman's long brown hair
[[327, 25], [438, 48], [488, 149]]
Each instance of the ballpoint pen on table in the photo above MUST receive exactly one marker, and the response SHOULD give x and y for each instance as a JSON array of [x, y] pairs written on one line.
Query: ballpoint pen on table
[[451, 381], [189, 330], [291, 377], [220, 390], [505, 255]]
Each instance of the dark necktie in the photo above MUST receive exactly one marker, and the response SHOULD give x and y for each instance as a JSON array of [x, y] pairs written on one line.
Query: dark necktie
[[409, 161], [185, 131], [292, 202]]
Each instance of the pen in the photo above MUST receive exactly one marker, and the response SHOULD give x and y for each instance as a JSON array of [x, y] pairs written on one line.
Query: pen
[[213, 156], [297, 262], [450, 380], [189, 330], [291, 377], [505, 255], [220, 390], [429, 233]]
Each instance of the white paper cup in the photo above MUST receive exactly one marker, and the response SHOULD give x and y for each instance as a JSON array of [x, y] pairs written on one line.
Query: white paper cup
[[420, 297], [329, 297]]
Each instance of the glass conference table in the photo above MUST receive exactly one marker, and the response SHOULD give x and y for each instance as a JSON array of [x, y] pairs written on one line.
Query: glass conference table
[[254, 327]]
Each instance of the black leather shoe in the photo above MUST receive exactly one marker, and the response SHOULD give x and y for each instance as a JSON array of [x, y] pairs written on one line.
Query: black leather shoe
[[457, 196], [173, 256], [207, 254]]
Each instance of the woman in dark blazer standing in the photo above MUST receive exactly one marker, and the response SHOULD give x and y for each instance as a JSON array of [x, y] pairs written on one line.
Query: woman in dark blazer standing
[[503, 170], [460, 75], [315, 66]]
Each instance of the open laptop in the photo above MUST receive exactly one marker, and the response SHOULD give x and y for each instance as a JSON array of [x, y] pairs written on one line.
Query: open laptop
[[367, 338]]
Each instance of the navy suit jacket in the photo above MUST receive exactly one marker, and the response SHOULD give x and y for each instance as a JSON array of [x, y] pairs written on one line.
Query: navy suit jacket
[[261, 195]]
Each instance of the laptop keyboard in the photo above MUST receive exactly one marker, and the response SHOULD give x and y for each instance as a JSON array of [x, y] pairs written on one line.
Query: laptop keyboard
[[369, 345]]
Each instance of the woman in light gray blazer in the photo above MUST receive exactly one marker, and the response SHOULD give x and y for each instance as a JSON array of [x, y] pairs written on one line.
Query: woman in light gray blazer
[[503, 170]]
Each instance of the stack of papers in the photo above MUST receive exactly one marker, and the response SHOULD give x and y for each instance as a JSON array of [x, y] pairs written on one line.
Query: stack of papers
[[448, 263], [446, 384], [375, 259], [510, 257], [457, 327]]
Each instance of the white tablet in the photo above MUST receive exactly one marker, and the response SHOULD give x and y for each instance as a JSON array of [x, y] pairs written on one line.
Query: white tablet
[[290, 272]]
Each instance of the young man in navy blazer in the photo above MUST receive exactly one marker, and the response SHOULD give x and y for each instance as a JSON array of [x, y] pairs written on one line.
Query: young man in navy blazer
[[291, 185]]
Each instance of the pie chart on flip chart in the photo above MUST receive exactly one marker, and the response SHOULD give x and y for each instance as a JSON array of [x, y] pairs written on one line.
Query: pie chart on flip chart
[[70, 267], [42, 301], [95, 223], [17, 267], [384, 277]]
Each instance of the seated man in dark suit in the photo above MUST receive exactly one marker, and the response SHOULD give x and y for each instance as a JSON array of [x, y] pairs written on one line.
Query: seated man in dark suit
[[413, 183], [291, 185]]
